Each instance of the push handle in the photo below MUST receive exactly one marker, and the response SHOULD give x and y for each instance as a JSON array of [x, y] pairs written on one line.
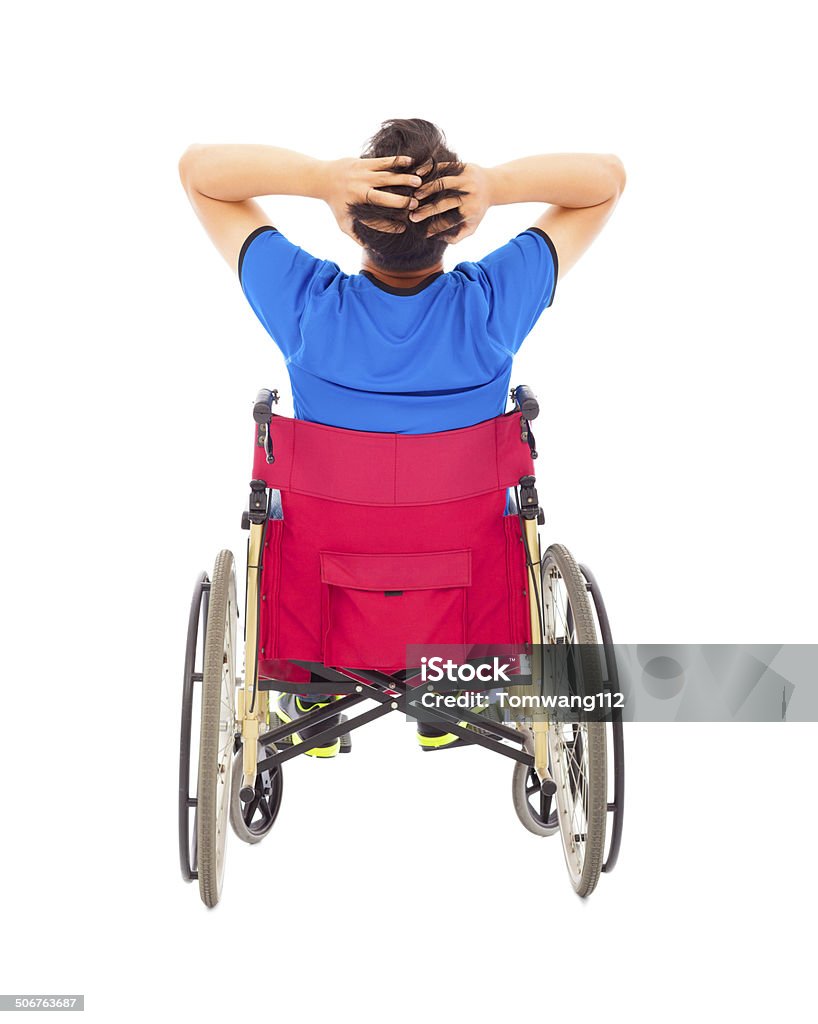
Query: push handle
[[527, 405], [526, 401], [263, 409]]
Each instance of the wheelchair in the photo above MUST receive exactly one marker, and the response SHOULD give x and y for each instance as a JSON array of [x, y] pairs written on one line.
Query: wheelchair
[[360, 545]]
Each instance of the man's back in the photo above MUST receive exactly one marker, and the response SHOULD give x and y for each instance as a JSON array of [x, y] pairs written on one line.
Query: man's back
[[364, 355]]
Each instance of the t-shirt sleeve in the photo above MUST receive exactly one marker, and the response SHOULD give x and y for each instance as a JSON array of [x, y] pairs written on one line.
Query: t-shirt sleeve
[[277, 278], [519, 280]]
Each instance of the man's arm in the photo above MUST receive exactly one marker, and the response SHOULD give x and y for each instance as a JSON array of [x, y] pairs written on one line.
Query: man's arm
[[581, 188], [222, 183]]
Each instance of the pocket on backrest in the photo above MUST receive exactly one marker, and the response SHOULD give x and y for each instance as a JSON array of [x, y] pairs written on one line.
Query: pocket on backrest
[[373, 605]]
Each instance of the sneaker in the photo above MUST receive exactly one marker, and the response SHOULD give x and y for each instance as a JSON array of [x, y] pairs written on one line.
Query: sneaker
[[431, 738], [289, 707]]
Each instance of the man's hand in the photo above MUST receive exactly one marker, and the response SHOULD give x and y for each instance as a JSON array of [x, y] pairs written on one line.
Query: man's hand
[[356, 180], [475, 181]]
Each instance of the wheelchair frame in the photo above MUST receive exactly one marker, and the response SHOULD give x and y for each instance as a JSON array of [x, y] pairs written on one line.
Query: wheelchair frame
[[389, 694]]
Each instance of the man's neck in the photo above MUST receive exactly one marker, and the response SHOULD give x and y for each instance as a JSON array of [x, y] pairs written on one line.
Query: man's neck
[[401, 278]]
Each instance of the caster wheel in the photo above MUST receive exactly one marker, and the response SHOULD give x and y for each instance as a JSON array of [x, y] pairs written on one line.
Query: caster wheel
[[534, 807], [252, 819]]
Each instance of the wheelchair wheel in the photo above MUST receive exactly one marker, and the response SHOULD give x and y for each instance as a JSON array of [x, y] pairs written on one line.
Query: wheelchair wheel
[[217, 730], [577, 750], [253, 819], [535, 811]]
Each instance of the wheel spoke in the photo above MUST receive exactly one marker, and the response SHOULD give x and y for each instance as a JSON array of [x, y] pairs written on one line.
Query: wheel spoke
[[265, 813]]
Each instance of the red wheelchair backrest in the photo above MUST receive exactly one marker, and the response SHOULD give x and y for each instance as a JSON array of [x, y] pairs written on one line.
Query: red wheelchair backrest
[[389, 540]]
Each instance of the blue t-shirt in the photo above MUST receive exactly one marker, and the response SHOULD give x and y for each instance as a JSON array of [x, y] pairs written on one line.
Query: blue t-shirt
[[366, 356]]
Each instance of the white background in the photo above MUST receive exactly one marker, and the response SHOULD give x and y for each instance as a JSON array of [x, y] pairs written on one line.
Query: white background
[[676, 373]]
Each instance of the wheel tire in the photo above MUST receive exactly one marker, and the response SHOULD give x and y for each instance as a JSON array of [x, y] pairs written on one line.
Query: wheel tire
[[270, 805], [585, 865], [217, 730]]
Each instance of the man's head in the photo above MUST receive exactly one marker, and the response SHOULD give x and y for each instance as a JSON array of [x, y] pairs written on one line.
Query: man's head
[[406, 245]]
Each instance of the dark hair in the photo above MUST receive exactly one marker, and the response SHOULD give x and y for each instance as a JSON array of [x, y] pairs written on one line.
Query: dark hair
[[409, 249]]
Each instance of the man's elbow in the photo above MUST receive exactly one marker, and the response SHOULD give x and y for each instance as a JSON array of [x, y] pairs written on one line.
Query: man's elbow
[[187, 165], [615, 171]]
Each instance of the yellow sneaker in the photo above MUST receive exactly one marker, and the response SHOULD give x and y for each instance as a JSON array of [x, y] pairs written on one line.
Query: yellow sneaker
[[289, 707]]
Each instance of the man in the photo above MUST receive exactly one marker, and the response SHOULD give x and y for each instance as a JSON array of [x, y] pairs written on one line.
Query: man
[[402, 346]]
